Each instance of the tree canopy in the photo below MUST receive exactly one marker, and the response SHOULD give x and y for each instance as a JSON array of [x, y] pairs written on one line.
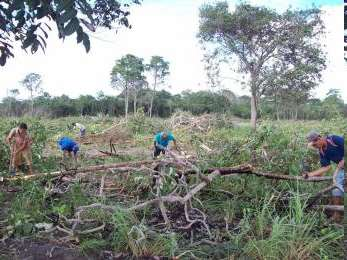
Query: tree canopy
[[29, 21], [127, 75], [266, 44], [159, 68]]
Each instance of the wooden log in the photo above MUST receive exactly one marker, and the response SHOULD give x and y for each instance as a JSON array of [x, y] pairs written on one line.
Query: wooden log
[[339, 208], [248, 169], [224, 171], [93, 168], [319, 194], [292, 178]]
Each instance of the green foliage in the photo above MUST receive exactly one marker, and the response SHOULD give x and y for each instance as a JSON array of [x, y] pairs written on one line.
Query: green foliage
[[279, 51], [24, 21], [93, 245], [127, 70], [165, 104], [36, 129], [266, 219], [140, 124], [27, 208], [291, 236]]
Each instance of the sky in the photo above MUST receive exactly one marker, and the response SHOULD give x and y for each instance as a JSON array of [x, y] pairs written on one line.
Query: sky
[[159, 27]]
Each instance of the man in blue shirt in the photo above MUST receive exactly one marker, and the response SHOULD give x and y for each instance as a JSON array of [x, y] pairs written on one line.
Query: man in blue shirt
[[161, 141], [331, 149], [68, 146]]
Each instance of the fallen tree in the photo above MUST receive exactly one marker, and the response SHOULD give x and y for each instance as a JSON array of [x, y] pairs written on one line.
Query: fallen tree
[[237, 170], [180, 195]]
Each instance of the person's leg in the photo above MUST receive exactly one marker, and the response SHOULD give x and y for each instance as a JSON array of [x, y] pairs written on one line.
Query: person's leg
[[337, 196], [156, 151], [28, 160], [75, 160], [82, 133], [65, 154], [16, 162]]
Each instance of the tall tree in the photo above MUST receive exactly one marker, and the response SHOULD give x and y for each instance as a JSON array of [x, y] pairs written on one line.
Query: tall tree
[[259, 38], [125, 75], [32, 82], [135, 90], [333, 104], [13, 93], [159, 68], [25, 21]]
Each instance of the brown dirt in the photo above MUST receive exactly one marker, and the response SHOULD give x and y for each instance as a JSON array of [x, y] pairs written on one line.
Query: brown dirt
[[38, 250]]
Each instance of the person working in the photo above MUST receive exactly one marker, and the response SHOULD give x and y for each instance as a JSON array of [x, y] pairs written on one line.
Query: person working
[[161, 141], [331, 149], [81, 128], [68, 146], [20, 142]]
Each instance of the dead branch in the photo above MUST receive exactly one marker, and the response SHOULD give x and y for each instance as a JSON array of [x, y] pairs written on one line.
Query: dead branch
[[107, 153], [69, 232], [292, 178], [97, 205], [339, 208], [93, 230], [94, 168], [314, 198], [102, 184], [200, 186]]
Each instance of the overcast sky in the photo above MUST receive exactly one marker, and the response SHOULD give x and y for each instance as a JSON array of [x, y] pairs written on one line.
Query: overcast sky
[[160, 27]]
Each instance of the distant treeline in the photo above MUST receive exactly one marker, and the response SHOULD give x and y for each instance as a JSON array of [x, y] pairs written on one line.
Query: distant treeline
[[165, 104]]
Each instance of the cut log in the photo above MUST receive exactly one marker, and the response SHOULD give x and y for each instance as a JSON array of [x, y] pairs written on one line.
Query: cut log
[[319, 194], [93, 168], [330, 207], [248, 169], [292, 178], [223, 171]]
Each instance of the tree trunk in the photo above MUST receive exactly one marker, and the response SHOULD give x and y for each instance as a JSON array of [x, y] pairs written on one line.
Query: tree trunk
[[135, 101], [126, 104], [277, 108], [32, 103], [151, 105], [253, 111], [153, 93], [296, 112]]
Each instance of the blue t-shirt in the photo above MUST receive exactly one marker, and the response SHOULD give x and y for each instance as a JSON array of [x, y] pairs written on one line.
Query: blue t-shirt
[[335, 150], [67, 144], [159, 140]]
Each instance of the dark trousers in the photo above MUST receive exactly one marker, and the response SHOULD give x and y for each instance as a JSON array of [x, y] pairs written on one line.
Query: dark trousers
[[157, 150]]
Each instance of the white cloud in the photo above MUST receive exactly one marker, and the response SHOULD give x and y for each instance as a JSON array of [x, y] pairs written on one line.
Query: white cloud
[[162, 29]]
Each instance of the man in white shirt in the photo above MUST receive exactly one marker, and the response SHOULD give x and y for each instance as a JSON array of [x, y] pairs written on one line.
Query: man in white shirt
[[81, 128]]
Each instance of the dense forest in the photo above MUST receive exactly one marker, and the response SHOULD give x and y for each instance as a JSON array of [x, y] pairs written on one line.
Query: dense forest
[[165, 104]]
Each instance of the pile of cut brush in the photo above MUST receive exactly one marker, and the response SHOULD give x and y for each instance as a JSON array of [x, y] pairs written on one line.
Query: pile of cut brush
[[202, 123], [117, 133]]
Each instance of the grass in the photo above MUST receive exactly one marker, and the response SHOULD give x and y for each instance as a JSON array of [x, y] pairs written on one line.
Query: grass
[[262, 224]]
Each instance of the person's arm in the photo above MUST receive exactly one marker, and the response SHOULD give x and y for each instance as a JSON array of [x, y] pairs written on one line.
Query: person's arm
[[9, 137], [175, 144], [341, 164], [28, 141], [22, 148], [159, 146], [319, 172]]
